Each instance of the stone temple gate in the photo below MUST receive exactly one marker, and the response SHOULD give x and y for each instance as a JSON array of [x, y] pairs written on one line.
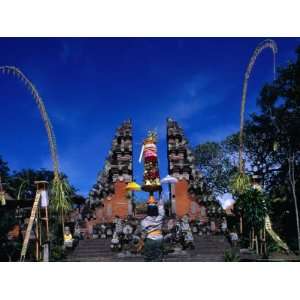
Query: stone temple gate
[[189, 195]]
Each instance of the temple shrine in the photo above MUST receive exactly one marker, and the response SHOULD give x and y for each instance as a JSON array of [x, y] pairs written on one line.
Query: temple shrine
[[109, 196], [189, 195]]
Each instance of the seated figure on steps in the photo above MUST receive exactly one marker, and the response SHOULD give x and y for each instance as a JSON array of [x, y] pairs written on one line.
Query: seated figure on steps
[[115, 243], [68, 239], [187, 240]]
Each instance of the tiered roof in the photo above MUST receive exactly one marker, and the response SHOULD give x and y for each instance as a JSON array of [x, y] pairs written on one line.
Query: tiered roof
[[181, 163], [118, 165]]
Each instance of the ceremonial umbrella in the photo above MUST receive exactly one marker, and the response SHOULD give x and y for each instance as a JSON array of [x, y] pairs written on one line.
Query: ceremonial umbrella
[[169, 180], [133, 186]]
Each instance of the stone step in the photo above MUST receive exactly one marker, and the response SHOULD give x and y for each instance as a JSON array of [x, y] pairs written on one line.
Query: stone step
[[196, 250], [209, 243], [87, 254], [94, 246], [91, 254], [212, 245], [202, 259], [133, 258], [207, 248], [89, 259], [105, 248], [209, 251], [84, 257], [94, 242]]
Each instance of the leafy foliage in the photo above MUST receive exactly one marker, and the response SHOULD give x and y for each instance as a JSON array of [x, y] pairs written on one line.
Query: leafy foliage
[[4, 169], [60, 195], [231, 256], [254, 206], [272, 149], [215, 164], [57, 253], [9, 250], [239, 184], [20, 185], [7, 220]]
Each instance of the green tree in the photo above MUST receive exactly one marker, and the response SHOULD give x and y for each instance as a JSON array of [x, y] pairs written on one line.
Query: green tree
[[254, 206], [215, 163], [280, 104], [4, 169], [22, 186], [272, 142], [4, 173]]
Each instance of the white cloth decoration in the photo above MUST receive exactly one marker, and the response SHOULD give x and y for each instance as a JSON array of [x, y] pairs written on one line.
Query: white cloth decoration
[[169, 180], [141, 154], [44, 199]]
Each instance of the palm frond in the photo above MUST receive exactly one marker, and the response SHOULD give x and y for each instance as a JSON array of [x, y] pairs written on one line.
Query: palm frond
[[239, 183], [60, 195]]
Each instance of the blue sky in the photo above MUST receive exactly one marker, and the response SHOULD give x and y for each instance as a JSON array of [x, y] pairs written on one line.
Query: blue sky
[[90, 86]]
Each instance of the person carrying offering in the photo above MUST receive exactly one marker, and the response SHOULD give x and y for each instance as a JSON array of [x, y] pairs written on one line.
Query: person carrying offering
[[152, 228]]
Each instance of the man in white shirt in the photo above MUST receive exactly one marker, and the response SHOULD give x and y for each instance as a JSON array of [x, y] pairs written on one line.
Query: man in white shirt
[[224, 225], [152, 228], [234, 238], [118, 225]]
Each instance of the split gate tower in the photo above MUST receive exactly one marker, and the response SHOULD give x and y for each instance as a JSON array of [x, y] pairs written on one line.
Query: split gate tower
[[190, 195]]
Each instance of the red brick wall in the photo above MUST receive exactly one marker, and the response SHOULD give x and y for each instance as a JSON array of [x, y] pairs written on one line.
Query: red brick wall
[[118, 203], [115, 205], [119, 200], [185, 204], [183, 199]]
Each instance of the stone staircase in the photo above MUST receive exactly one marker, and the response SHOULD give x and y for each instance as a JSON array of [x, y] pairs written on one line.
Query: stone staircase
[[92, 250], [207, 249]]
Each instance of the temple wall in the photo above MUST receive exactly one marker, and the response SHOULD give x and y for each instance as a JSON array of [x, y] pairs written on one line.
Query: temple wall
[[183, 202], [108, 197], [181, 166], [182, 198], [117, 204], [120, 201]]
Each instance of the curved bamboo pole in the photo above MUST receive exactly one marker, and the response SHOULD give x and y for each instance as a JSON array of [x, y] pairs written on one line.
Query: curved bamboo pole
[[40, 104], [260, 47]]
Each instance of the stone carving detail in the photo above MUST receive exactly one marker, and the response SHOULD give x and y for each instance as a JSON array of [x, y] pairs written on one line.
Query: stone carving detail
[[181, 164], [181, 159], [117, 167]]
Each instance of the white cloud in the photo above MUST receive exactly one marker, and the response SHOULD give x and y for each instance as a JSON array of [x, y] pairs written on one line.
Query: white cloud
[[192, 98], [184, 109], [216, 134], [226, 200]]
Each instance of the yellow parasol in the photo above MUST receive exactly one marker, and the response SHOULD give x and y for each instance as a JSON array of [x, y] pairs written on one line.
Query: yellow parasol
[[133, 186]]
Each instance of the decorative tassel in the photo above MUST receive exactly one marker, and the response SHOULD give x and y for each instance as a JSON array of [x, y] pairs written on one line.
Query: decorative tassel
[[275, 237], [141, 154]]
